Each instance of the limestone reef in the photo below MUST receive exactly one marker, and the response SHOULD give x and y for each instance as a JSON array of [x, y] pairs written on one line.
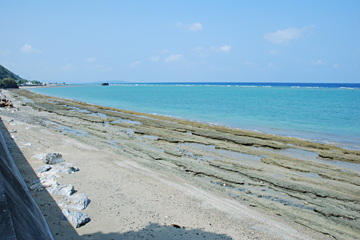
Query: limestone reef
[[315, 185]]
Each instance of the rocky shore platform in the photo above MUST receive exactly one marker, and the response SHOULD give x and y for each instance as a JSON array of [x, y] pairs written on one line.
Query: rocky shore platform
[[163, 178]]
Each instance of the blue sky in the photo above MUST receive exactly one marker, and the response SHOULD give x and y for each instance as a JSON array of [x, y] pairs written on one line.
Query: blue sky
[[181, 41]]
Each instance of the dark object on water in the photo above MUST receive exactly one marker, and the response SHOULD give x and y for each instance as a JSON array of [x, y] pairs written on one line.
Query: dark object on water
[[105, 84], [175, 225]]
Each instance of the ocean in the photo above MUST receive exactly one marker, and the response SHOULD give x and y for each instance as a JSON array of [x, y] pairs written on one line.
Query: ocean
[[319, 112]]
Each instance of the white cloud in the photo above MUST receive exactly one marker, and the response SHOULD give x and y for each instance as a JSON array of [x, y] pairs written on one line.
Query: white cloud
[[27, 48], [249, 64], [154, 58], [173, 58], [336, 66], [90, 59], [225, 48], [192, 27], [318, 62], [284, 36], [134, 64], [273, 52], [196, 26], [67, 67]]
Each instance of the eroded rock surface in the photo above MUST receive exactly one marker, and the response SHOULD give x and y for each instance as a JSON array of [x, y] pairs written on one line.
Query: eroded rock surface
[[313, 184], [77, 201], [77, 219]]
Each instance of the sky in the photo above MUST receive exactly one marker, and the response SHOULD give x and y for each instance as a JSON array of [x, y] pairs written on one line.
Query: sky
[[181, 41]]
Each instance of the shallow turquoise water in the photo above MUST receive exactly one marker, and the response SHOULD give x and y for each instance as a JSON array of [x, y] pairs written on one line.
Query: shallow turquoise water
[[322, 114]]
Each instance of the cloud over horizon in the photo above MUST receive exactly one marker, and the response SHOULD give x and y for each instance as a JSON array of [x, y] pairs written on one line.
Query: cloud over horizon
[[226, 48], [284, 36], [192, 27], [173, 58], [27, 48], [196, 26], [134, 64]]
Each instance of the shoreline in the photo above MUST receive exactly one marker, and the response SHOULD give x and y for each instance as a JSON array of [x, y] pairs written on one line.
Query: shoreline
[[341, 137], [304, 182]]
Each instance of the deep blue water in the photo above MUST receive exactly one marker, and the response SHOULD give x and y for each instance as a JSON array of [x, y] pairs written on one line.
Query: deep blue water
[[315, 111]]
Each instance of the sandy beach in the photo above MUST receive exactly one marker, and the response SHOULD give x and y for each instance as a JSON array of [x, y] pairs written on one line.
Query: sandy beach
[[154, 177]]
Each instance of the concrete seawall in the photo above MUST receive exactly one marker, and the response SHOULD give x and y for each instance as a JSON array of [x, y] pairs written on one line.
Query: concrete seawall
[[20, 217]]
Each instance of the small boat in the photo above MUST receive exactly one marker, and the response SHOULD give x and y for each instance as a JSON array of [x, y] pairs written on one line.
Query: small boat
[[105, 84]]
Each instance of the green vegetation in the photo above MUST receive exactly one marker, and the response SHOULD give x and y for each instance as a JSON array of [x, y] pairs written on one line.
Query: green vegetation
[[5, 73], [9, 79], [8, 83], [35, 82]]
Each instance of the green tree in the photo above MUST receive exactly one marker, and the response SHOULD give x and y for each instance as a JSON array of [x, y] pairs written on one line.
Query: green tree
[[21, 82], [36, 82], [9, 83]]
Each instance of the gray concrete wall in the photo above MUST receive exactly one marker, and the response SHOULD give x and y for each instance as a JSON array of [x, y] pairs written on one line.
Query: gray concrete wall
[[20, 217]]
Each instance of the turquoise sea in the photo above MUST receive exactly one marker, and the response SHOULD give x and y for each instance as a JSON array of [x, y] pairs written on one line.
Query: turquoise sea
[[327, 113]]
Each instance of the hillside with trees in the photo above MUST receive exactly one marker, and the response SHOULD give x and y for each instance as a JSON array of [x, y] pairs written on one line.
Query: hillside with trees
[[5, 73], [9, 79]]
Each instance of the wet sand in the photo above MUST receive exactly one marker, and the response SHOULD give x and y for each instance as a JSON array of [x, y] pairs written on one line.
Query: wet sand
[[144, 173]]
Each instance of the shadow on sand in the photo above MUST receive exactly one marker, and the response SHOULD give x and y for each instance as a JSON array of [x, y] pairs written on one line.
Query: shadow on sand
[[24, 214], [61, 229], [158, 232]]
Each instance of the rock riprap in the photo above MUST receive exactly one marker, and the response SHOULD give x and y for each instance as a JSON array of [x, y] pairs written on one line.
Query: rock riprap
[[66, 168], [77, 201], [48, 173], [53, 158], [77, 219]]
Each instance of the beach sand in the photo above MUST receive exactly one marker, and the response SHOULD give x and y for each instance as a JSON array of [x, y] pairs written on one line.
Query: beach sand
[[154, 177]]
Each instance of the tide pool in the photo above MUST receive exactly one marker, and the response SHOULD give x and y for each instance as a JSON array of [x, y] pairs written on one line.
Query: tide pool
[[327, 113]]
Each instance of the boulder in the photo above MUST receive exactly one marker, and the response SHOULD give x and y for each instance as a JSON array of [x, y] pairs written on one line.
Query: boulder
[[77, 201], [48, 175], [43, 168], [77, 219], [46, 180], [66, 168], [53, 158], [63, 190]]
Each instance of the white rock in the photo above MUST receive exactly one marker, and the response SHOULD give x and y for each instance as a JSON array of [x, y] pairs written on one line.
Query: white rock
[[77, 201], [43, 168], [77, 219], [63, 190], [48, 175]]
